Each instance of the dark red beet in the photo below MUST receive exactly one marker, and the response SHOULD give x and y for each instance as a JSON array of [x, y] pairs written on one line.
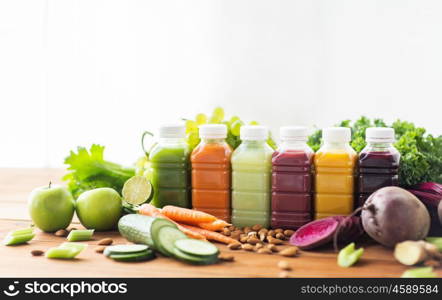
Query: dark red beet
[[321, 232]]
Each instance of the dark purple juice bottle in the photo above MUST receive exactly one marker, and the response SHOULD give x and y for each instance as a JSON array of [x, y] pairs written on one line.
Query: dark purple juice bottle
[[378, 163], [292, 180]]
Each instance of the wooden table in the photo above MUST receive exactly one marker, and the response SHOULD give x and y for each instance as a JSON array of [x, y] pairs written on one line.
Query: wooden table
[[16, 261]]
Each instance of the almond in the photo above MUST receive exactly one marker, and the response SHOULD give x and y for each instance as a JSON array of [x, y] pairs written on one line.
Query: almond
[[289, 252], [105, 242]]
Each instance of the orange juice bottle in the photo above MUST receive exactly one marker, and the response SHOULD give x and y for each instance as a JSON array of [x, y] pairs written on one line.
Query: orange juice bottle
[[211, 172], [335, 167]]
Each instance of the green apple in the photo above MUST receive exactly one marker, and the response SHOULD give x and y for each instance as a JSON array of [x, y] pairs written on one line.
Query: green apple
[[99, 209], [51, 207]]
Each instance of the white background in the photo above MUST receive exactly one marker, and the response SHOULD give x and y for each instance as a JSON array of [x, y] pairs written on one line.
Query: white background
[[81, 72]]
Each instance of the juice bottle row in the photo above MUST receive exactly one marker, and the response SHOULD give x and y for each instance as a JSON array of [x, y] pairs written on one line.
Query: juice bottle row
[[254, 184]]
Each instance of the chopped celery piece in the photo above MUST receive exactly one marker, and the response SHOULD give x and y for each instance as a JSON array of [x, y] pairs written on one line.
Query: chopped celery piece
[[18, 239], [437, 241], [28, 230], [64, 253], [66, 250], [77, 247], [80, 235], [425, 272], [348, 256]]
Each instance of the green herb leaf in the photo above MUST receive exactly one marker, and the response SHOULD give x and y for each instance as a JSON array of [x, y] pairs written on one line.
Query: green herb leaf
[[89, 170]]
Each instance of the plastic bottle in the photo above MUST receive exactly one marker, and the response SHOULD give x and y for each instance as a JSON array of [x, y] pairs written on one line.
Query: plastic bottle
[[251, 176], [292, 180], [334, 178], [378, 163], [170, 167], [211, 172]]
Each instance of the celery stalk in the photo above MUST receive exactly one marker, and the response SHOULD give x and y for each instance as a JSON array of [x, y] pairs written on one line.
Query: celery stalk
[[80, 235]]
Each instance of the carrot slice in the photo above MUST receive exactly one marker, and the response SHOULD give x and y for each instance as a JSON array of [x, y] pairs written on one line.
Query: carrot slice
[[185, 215], [211, 235], [152, 211], [216, 225]]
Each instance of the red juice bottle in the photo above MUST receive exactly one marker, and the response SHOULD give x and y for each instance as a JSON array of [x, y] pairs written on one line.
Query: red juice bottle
[[378, 163], [292, 180]]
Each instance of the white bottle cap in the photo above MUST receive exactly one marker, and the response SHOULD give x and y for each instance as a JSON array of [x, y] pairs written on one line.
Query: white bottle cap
[[254, 133], [213, 131], [379, 135], [172, 131], [297, 133], [336, 134]]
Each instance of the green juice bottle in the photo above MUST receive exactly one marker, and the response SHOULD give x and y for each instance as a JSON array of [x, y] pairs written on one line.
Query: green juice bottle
[[251, 178], [170, 168]]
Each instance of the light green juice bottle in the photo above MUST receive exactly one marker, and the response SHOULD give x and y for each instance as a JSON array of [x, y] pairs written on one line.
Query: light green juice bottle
[[251, 178]]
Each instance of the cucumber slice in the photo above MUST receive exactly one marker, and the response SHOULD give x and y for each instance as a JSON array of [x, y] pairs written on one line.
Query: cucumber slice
[[156, 226], [124, 249], [167, 236], [196, 247], [139, 256], [194, 259]]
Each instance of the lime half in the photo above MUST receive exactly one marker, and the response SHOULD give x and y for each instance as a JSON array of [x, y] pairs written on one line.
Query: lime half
[[137, 190]]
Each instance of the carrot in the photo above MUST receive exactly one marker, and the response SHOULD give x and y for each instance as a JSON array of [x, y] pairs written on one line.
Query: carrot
[[186, 215], [152, 211], [211, 235], [216, 225]]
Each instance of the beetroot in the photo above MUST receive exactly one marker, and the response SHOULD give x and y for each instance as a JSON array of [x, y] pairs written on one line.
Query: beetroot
[[439, 212], [392, 215], [322, 231]]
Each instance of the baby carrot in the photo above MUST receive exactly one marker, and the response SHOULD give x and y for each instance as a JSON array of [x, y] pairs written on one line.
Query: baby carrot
[[152, 211], [186, 215], [216, 225], [211, 235]]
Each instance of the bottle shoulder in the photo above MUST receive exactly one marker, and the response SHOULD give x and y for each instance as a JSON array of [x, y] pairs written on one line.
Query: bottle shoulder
[[169, 152], [219, 152]]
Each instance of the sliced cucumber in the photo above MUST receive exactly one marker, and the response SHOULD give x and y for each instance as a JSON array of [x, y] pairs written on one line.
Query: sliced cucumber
[[124, 249], [138, 256], [196, 247], [194, 259], [167, 236], [156, 226]]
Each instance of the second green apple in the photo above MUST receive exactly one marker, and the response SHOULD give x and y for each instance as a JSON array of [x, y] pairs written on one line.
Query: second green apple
[[99, 209]]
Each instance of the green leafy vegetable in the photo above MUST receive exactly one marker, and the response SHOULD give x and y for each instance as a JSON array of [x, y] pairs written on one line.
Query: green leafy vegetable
[[90, 171], [421, 153]]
